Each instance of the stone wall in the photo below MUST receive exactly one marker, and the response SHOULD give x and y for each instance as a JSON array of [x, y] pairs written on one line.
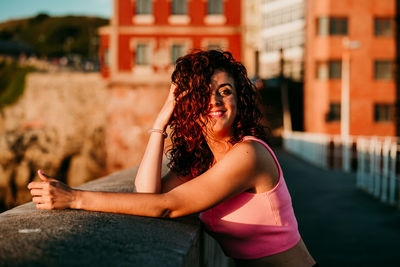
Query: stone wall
[[131, 111], [57, 126], [31, 237]]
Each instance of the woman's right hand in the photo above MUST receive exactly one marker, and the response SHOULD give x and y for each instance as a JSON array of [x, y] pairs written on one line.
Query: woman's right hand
[[165, 114], [52, 194]]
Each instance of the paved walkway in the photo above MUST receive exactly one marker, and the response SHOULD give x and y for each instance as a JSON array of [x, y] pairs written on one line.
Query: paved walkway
[[341, 225]]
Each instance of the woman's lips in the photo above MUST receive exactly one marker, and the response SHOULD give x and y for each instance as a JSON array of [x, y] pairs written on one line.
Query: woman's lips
[[216, 113]]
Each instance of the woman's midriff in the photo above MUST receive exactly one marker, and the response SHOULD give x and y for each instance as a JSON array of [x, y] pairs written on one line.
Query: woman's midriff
[[296, 256]]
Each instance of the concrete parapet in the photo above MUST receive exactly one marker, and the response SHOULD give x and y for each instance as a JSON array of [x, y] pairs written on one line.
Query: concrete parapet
[[31, 237]]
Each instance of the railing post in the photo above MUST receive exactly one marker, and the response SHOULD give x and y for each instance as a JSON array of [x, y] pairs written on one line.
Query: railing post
[[377, 173], [337, 153], [385, 171], [325, 150], [392, 175], [371, 152], [361, 157], [346, 141]]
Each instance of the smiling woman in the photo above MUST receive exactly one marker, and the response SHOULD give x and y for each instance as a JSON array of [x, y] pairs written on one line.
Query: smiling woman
[[210, 77], [220, 165]]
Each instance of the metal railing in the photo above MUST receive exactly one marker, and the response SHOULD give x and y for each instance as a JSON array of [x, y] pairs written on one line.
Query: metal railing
[[375, 160]]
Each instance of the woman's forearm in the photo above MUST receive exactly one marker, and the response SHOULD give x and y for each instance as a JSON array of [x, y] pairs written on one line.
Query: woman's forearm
[[142, 204], [148, 177]]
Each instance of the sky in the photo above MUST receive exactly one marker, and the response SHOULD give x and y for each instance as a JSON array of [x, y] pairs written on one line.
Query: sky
[[14, 9]]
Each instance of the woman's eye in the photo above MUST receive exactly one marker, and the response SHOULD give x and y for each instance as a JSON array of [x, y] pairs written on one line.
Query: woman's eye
[[225, 92]]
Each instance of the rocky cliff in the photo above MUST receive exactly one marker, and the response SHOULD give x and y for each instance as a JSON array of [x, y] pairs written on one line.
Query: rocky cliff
[[58, 126]]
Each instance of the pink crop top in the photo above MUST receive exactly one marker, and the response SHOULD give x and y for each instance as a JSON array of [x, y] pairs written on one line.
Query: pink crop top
[[249, 225]]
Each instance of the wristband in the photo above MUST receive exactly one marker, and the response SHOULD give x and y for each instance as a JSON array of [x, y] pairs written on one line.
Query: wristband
[[165, 135]]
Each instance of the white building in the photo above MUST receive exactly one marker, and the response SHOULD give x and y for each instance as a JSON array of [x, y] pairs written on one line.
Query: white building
[[283, 27]]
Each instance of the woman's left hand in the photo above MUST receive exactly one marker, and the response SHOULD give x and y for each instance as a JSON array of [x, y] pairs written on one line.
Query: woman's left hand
[[51, 193]]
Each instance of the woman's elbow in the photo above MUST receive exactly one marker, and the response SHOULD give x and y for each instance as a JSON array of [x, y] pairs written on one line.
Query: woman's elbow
[[171, 207], [168, 213], [176, 214]]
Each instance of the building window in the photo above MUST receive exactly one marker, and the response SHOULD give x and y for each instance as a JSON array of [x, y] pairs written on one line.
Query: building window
[[144, 7], [283, 15], [214, 46], [383, 70], [331, 26], [383, 112], [179, 7], [329, 70], [285, 41], [215, 7], [177, 51], [383, 27], [143, 54], [334, 112]]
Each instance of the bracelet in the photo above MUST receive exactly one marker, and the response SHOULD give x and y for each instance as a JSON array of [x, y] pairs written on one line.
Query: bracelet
[[165, 135]]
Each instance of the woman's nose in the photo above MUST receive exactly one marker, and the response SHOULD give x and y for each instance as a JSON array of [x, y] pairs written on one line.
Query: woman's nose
[[216, 100]]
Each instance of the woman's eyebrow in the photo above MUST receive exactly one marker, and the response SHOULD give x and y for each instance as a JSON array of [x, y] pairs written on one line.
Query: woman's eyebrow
[[224, 84]]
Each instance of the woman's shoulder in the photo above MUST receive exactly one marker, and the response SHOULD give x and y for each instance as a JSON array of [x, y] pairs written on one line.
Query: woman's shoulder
[[258, 150], [253, 143], [265, 163], [251, 147]]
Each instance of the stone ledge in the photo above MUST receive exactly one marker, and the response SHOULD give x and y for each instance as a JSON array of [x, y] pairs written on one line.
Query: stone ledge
[[31, 237]]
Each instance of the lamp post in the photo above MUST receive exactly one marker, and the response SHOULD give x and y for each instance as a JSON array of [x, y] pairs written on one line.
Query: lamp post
[[348, 45]]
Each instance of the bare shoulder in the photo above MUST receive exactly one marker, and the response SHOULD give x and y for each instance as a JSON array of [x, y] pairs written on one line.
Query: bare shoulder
[[253, 149], [259, 155]]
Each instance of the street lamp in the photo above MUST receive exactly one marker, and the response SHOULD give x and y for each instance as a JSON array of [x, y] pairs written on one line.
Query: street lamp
[[348, 45]]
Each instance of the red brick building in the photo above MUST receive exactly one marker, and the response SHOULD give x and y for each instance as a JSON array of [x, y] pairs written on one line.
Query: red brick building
[[369, 26], [146, 36], [137, 52]]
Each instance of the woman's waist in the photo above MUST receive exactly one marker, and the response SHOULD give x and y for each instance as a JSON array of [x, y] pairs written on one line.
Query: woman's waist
[[253, 241], [296, 255]]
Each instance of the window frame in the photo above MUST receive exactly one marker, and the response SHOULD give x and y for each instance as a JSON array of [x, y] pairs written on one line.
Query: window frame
[[329, 74], [215, 7], [176, 6], [378, 32], [326, 26], [385, 115], [377, 73], [147, 54], [144, 7], [334, 112], [175, 57]]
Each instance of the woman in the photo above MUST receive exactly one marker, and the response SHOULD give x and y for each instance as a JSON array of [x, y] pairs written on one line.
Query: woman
[[219, 165]]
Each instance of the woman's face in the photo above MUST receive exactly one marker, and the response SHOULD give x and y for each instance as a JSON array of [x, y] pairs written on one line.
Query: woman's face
[[223, 105]]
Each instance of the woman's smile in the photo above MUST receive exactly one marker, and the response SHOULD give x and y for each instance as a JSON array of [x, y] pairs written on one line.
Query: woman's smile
[[223, 104], [216, 113]]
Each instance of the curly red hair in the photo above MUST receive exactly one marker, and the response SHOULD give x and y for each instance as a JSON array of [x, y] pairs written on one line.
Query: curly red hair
[[189, 153]]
